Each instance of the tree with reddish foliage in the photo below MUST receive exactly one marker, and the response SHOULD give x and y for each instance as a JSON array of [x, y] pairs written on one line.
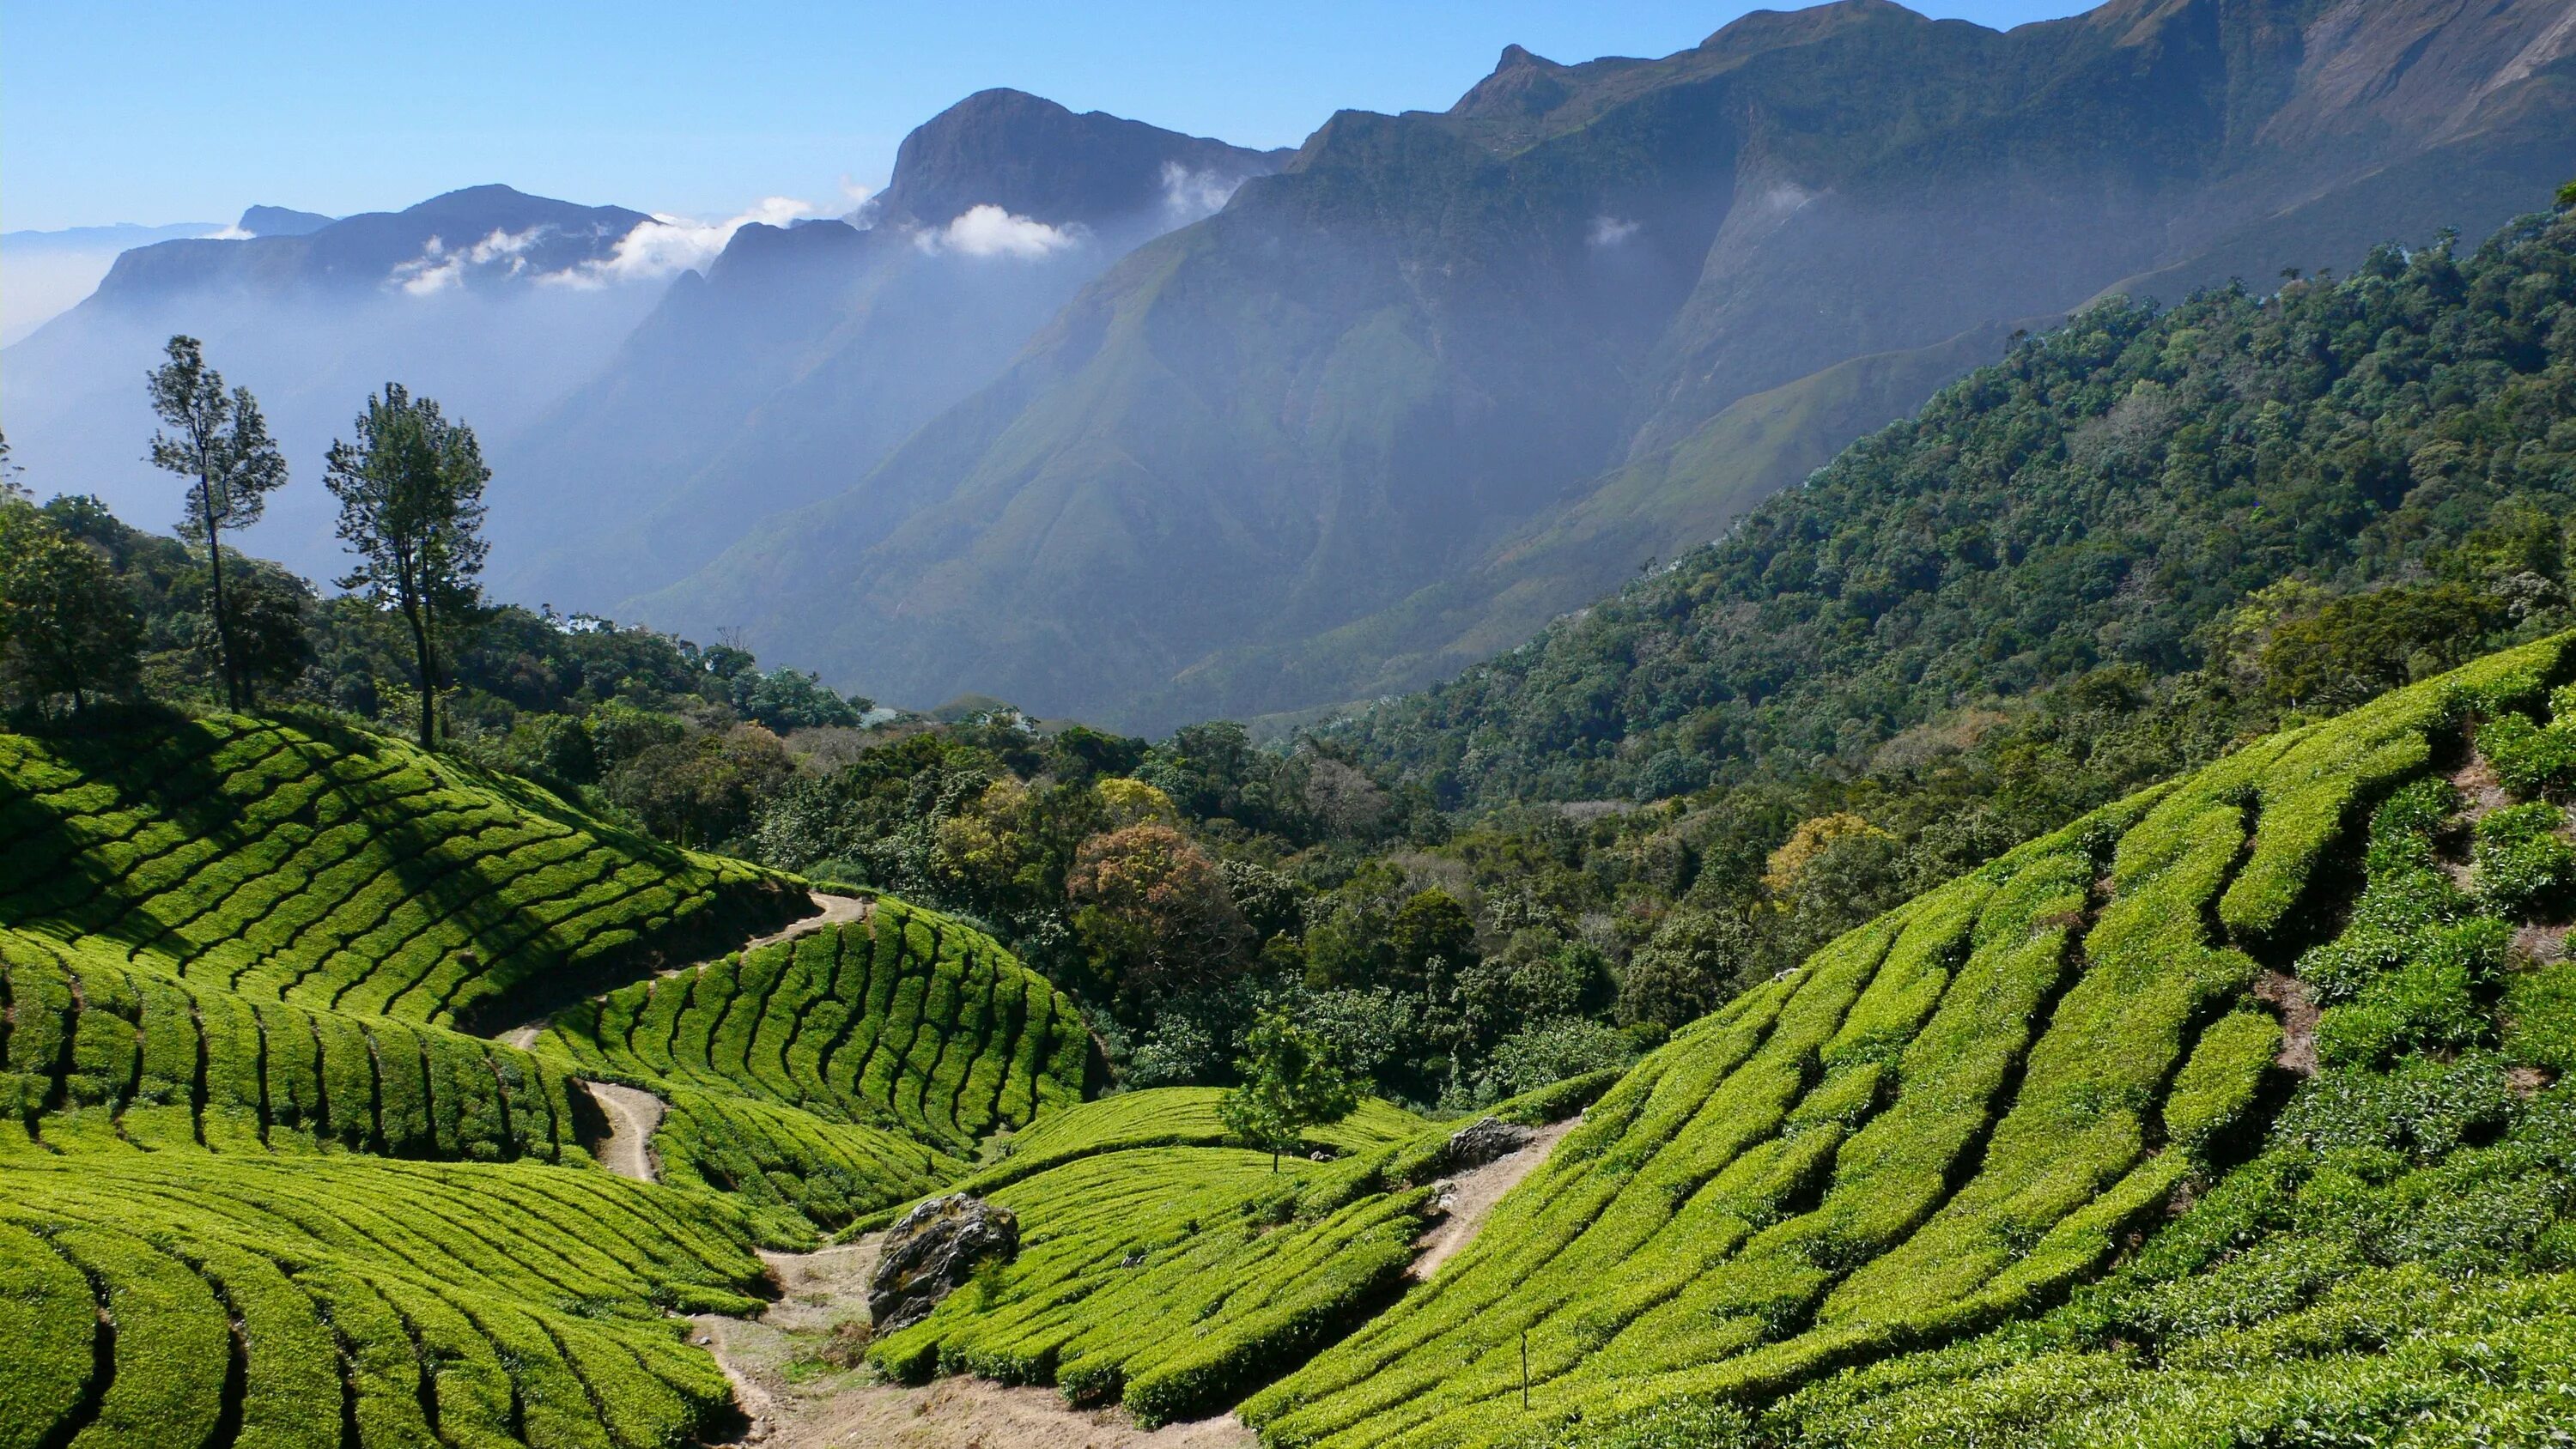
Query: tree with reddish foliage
[[1153, 911]]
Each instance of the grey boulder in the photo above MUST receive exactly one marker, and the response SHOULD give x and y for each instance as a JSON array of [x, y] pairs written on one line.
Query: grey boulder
[[933, 1250]]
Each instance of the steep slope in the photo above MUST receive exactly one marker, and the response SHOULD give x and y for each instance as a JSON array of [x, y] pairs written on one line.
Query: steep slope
[[806, 354], [1950, 1118], [222, 944], [492, 301], [1431, 336], [317, 865], [2228, 1111], [2107, 495], [231, 954]]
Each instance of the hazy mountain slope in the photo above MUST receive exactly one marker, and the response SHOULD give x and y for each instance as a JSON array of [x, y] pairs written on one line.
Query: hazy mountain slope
[[2106, 495], [47, 273], [1431, 335], [489, 300], [1753, 448], [805, 355]]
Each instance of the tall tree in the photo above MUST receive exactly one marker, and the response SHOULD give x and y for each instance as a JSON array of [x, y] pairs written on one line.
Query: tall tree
[[411, 508], [219, 442], [1291, 1082]]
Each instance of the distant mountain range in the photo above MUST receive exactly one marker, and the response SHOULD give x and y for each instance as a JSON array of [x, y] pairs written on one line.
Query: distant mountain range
[[1142, 427], [495, 302], [803, 356], [1445, 376]]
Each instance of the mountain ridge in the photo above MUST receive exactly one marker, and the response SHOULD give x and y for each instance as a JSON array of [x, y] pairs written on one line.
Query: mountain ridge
[[1431, 332]]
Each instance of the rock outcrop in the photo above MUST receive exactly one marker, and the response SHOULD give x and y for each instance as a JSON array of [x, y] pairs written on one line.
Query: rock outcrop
[[1482, 1141], [931, 1251]]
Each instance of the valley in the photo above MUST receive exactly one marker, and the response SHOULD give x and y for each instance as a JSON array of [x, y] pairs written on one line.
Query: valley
[[1862, 737]]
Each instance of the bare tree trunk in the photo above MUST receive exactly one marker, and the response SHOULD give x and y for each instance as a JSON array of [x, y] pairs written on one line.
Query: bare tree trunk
[[233, 684], [428, 688]]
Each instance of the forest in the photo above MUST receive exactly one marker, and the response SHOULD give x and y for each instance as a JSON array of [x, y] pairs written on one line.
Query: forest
[[2135, 543]]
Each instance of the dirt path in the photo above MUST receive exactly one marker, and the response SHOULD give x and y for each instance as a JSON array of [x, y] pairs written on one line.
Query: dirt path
[[632, 1115], [785, 1377], [836, 911], [1477, 1192]]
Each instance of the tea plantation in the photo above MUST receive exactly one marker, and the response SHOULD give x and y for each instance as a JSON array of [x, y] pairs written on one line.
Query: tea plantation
[[340, 870], [909, 1020], [1918, 1190], [235, 959], [2230, 1114]]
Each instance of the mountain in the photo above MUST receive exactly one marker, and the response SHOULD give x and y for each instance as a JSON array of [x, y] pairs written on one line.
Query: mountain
[[48, 272], [804, 354], [2142, 493], [493, 301], [280, 221], [1445, 376]]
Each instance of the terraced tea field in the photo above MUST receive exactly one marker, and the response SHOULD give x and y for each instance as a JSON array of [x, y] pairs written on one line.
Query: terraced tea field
[[908, 1021], [195, 1299], [97, 1053], [2229, 1114], [344, 871], [1947, 1120]]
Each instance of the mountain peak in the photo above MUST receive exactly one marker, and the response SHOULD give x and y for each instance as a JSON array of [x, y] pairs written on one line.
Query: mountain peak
[[281, 221], [1523, 84], [1034, 158]]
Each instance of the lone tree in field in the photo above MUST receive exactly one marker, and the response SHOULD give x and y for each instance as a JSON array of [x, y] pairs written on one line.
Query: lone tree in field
[[1290, 1083], [219, 442], [411, 508]]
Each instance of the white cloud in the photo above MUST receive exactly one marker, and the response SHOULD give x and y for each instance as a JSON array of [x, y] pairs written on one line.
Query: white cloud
[[435, 270], [667, 244], [230, 233], [1189, 195], [853, 193], [440, 266], [989, 231], [1609, 231]]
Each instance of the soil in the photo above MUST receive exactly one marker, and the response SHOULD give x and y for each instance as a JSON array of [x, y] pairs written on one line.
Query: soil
[[835, 911], [1476, 1192], [632, 1115], [2288, 996], [798, 1375], [796, 1399]]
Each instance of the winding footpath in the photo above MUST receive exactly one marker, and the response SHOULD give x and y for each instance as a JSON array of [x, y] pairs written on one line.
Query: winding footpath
[[833, 911], [847, 1408]]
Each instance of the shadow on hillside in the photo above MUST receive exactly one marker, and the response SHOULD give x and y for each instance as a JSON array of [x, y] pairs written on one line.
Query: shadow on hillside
[[159, 758]]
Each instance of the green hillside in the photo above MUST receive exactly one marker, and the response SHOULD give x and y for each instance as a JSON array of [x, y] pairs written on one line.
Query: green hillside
[[2377, 467], [1946, 1122], [340, 870], [2226, 1112], [909, 1020], [232, 956], [201, 1299]]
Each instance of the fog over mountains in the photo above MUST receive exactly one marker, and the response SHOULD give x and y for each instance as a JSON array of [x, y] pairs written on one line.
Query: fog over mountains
[[1117, 422]]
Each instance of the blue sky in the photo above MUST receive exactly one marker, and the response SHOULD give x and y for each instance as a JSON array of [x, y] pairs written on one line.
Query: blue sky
[[118, 110]]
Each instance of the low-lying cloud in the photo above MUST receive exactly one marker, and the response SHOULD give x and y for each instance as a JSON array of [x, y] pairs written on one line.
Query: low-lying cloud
[[440, 266], [1189, 195], [667, 245], [989, 231], [661, 246], [1609, 231]]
